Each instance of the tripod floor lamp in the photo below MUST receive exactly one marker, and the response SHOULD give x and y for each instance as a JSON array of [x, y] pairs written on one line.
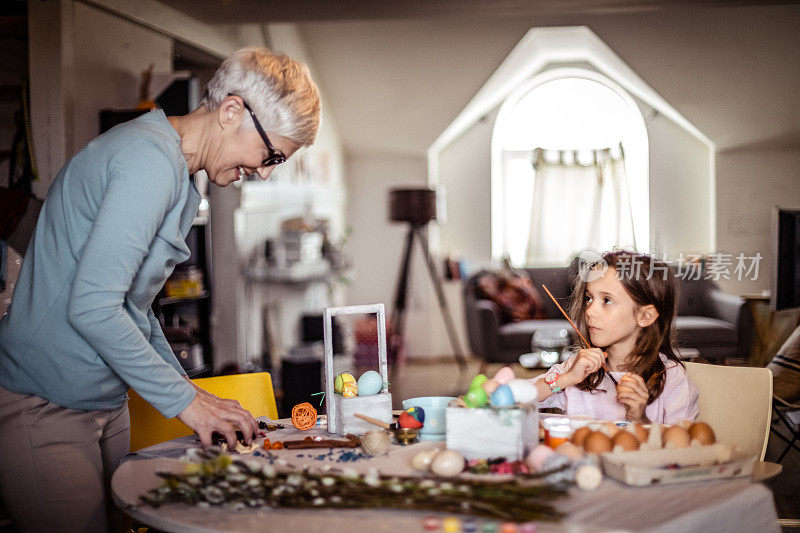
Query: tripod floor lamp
[[417, 207]]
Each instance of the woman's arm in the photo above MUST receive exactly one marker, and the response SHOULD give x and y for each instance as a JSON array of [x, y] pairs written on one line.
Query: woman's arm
[[139, 192]]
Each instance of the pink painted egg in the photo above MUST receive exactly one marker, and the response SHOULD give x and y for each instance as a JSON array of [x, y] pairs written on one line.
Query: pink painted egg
[[504, 375]]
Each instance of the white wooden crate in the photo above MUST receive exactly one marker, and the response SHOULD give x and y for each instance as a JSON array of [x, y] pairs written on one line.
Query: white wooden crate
[[484, 433], [340, 410]]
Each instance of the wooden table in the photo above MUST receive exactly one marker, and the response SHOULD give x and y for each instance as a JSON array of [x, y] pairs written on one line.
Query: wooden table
[[732, 505]]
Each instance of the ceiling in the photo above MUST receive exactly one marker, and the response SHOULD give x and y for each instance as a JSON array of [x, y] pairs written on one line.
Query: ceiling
[[397, 76]]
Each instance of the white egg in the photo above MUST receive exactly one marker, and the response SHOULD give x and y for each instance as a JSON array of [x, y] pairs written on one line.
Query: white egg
[[422, 461], [523, 390], [447, 463]]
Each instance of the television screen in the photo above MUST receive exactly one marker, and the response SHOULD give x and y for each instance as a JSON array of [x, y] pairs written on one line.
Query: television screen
[[786, 259]]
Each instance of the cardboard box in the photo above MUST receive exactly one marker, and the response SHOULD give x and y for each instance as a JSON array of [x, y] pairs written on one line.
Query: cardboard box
[[489, 432], [677, 465]]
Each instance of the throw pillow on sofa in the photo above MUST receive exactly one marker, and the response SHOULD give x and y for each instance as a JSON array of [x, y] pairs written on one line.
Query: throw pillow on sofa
[[513, 292]]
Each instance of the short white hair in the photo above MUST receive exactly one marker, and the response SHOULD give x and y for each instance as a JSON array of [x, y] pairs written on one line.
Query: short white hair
[[278, 89]]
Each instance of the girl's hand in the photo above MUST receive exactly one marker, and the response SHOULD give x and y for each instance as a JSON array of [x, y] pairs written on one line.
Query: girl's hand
[[589, 360], [633, 394]]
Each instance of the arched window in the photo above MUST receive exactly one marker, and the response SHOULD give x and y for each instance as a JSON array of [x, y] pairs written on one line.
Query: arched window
[[569, 169]]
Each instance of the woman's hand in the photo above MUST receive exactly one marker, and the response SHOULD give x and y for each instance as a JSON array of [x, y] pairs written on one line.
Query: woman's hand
[[633, 394], [208, 413], [587, 361]]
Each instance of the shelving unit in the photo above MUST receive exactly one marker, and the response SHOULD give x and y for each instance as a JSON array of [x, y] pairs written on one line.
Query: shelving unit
[[186, 320]]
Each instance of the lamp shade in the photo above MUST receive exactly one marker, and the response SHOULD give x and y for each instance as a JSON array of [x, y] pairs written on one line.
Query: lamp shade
[[417, 206]]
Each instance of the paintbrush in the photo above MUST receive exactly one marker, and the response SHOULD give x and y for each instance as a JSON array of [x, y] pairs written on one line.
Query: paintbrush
[[586, 343]]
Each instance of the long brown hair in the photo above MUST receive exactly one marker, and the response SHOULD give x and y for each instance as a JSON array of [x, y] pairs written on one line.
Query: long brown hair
[[648, 282]]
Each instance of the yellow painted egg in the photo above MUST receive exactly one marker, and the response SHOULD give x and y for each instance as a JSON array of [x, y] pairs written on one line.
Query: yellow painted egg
[[341, 379], [350, 389]]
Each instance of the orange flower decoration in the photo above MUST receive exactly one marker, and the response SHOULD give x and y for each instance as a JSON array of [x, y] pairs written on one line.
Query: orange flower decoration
[[304, 416]]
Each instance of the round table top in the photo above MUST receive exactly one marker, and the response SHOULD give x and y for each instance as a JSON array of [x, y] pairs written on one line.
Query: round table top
[[613, 506]]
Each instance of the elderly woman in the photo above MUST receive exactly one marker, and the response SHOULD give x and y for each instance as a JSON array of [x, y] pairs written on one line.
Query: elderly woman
[[80, 330]]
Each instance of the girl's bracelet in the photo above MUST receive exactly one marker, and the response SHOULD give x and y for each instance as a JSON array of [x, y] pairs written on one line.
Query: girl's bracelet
[[551, 378]]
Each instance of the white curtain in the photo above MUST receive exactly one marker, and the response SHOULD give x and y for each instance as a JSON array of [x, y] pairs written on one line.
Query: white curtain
[[580, 200]]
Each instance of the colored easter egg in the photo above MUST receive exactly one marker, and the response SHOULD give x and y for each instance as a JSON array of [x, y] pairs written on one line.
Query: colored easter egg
[[341, 379], [406, 421], [477, 381], [418, 413], [476, 397], [504, 375], [490, 385], [502, 397], [369, 383], [523, 390], [537, 456], [350, 389]]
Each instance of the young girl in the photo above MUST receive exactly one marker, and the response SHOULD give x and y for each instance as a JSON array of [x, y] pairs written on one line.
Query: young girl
[[625, 307]]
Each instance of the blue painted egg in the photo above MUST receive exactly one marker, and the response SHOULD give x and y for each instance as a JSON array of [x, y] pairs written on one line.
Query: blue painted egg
[[417, 413], [502, 396], [369, 383]]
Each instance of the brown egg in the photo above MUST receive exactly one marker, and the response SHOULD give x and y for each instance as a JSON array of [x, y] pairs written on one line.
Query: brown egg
[[625, 440], [580, 435], [597, 442], [641, 432], [702, 433], [675, 437], [610, 429]]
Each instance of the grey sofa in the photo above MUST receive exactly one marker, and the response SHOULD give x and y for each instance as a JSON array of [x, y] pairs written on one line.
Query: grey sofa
[[716, 324]]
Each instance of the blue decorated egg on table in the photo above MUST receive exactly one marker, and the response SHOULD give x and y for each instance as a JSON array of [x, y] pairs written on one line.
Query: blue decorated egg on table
[[369, 383], [502, 397]]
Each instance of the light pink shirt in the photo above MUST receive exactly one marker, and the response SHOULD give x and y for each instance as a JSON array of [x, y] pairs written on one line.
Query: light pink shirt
[[678, 400]]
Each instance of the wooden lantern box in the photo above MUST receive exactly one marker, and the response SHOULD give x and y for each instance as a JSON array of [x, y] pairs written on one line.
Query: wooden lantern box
[[485, 433], [341, 410]]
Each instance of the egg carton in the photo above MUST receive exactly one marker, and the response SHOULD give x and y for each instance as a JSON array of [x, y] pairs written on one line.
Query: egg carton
[[341, 410], [677, 465], [485, 433]]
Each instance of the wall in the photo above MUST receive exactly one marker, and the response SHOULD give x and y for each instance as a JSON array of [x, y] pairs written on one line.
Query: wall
[[681, 190], [465, 172], [377, 244], [82, 59], [750, 182], [681, 194]]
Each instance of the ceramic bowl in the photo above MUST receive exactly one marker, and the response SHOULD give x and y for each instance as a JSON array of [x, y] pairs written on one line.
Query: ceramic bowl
[[434, 407]]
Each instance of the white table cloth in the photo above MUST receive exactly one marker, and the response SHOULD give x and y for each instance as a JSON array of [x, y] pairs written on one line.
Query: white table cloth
[[706, 507]]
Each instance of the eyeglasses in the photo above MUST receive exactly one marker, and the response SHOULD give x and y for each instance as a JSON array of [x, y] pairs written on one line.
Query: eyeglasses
[[274, 157]]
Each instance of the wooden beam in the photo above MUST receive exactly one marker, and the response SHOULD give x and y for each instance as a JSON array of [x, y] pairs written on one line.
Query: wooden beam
[[172, 23]]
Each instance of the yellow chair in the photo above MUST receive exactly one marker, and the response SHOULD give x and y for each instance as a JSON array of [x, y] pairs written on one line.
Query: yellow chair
[[736, 401], [253, 391]]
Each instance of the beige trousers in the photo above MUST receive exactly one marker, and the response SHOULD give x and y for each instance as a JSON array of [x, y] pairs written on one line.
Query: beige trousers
[[56, 464]]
